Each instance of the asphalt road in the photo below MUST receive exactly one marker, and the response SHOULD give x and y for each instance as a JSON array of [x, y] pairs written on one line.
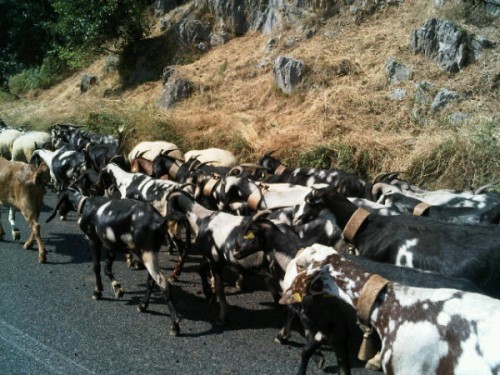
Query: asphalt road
[[49, 323]]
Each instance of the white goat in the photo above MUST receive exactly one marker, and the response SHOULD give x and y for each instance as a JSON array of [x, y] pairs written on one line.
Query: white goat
[[150, 150], [7, 137], [25, 144], [213, 156]]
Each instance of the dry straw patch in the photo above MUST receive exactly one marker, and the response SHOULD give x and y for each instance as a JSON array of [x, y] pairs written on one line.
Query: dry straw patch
[[341, 104]]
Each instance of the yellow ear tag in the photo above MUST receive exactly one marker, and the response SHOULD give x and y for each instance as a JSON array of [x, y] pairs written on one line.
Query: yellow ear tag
[[249, 236], [297, 297]]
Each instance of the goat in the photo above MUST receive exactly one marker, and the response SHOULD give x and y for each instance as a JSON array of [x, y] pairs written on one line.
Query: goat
[[422, 330], [214, 156], [23, 187], [215, 234], [7, 137], [76, 138], [467, 251], [446, 197], [346, 184], [457, 215], [150, 150], [24, 145], [65, 165], [120, 224], [260, 196]]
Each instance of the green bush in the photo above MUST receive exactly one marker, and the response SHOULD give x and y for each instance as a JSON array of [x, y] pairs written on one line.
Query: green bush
[[461, 162], [341, 156]]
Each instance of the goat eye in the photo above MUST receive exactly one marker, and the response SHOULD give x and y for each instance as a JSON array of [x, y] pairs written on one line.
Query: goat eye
[[249, 236]]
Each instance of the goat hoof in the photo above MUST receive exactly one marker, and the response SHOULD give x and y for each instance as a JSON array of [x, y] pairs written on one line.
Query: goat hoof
[[42, 258], [174, 330], [16, 235], [320, 361], [117, 289], [142, 308], [281, 339], [97, 295]]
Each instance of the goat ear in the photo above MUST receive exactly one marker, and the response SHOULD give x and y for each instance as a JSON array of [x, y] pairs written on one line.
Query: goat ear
[[42, 176]]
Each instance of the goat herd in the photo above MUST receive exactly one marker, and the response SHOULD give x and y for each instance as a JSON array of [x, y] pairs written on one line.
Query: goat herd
[[418, 270]]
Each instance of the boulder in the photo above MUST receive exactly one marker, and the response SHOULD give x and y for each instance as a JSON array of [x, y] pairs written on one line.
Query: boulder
[[397, 72], [175, 90], [442, 98], [397, 95], [449, 45], [287, 73], [87, 81]]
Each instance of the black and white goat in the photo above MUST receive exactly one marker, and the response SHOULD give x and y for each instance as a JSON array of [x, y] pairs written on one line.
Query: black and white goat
[[346, 184], [458, 215], [123, 224], [422, 330], [215, 235], [468, 251], [65, 165]]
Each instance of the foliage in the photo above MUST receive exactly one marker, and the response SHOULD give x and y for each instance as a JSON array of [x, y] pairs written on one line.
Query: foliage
[[461, 162], [86, 26], [338, 155], [24, 35]]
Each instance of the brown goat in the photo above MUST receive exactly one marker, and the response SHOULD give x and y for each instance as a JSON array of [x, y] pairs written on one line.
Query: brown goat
[[22, 186]]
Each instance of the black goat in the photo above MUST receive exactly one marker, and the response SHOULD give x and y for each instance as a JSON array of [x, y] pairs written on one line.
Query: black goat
[[468, 251], [124, 224], [346, 184]]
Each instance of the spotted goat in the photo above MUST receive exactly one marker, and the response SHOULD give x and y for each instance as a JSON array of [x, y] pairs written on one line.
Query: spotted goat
[[422, 330]]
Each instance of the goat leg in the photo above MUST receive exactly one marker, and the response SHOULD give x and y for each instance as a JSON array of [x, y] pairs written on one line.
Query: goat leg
[[108, 271], [150, 283], [150, 260], [96, 260]]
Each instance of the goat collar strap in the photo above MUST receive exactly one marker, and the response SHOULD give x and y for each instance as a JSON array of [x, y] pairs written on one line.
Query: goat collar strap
[[209, 186], [280, 169], [421, 208], [369, 293], [80, 205], [173, 170], [354, 223]]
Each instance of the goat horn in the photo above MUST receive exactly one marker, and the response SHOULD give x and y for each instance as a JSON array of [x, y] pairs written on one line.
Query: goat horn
[[483, 188], [381, 177], [235, 171], [269, 153], [260, 214]]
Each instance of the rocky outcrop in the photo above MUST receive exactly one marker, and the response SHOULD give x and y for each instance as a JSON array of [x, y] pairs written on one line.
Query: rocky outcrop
[[175, 90], [442, 98], [287, 73], [240, 16], [449, 45]]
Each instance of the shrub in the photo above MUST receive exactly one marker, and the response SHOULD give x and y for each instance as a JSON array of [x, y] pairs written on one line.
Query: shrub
[[461, 162]]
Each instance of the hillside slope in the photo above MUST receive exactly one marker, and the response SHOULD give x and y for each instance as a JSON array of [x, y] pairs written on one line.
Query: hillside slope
[[339, 116]]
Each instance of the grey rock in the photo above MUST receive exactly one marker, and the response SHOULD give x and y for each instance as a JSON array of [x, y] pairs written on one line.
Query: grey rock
[[287, 73], [219, 38], [398, 94], [87, 81], [174, 91], [443, 97], [168, 71], [240, 16], [397, 72], [449, 45], [111, 63], [193, 31]]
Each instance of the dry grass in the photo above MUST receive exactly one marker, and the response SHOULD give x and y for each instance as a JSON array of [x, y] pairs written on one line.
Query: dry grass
[[343, 99]]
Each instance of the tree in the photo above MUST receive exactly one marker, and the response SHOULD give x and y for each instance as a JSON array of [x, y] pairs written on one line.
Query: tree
[[24, 34], [85, 26]]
